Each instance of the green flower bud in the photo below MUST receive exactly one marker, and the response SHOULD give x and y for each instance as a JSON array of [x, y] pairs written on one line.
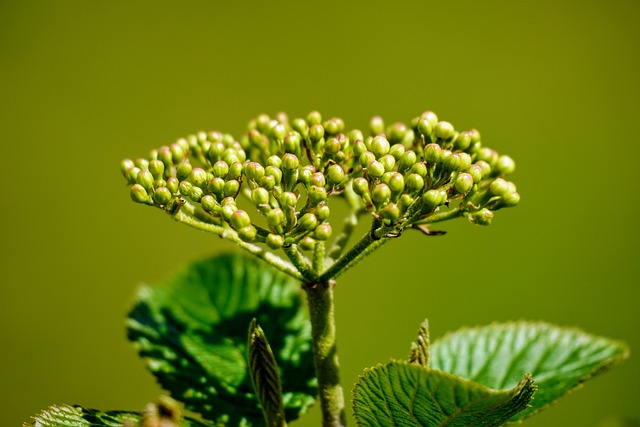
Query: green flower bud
[[145, 178], [177, 153], [288, 200], [159, 183], [255, 138], [360, 186], [300, 126], [227, 211], [476, 173], [220, 169], [139, 194], [388, 161], [376, 125], [290, 162], [391, 212], [292, 142], [444, 130], [322, 232], [474, 135], [397, 150], [254, 171], [173, 184], [424, 127], [334, 126], [375, 169], [432, 199], [248, 233], [216, 186], [153, 154], [278, 132], [184, 144], [313, 118], [381, 193], [260, 196], [142, 164], [198, 177], [132, 175], [499, 187], [505, 165], [488, 155], [396, 182], [356, 135], [239, 219], [420, 168], [380, 146], [125, 165], [316, 132], [162, 195], [432, 153], [231, 156], [308, 221], [183, 171], [156, 167], [482, 217], [463, 141], [208, 203], [274, 241], [409, 137], [396, 132], [164, 154], [322, 212], [366, 158], [414, 183], [317, 195], [484, 167], [360, 148], [216, 149], [307, 243], [465, 161], [405, 201], [430, 117], [463, 183], [274, 161], [407, 160], [451, 161], [231, 188], [510, 200], [318, 179], [275, 217], [332, 146], [305, 174], [335, 174]]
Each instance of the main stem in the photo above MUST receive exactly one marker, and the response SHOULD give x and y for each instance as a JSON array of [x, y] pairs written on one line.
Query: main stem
[[323, 330]]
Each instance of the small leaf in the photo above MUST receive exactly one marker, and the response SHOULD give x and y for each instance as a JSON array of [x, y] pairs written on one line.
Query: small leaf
[[193, 333], [420, 348], [76, 416], [409, 395], [265, 377], [559, 359]]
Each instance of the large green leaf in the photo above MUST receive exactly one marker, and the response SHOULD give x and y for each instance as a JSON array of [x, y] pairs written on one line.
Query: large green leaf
[[559, 359], [193, 333], [402, 394], [76, 416]]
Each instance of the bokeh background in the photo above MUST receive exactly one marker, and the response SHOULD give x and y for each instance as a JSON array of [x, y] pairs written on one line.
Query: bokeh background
[[84, 84]]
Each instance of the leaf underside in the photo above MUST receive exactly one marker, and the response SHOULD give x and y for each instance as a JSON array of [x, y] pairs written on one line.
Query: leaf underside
[[192, 331], [409, 395], [76, 416], [559, 359]]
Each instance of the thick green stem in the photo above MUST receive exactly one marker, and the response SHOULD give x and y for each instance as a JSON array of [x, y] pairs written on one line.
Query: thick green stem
[[323, 330], [369, 243], [300, 262]]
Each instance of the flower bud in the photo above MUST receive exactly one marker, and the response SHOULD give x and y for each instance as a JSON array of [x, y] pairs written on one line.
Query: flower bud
[[322, 232], [159, 183], [334, 126], [463, 141], [216, 149], [278, 132], [396, 132], [465, 161], [316, 132], [360, 186], [231, 188], [405, 201], [274, 241], [431, 117], [183, 171], [292, 142], [322, 212], [145, 178], [376, 125], [474, 135], [484, 167], [444, 130], [164, 154], [391, 212], [451, 161], [397, 150], [355, 135], [482, 217], [476, 173], [396, 182], [313, 118], [177, 153], [407, 160], [359, 148], [316, 195], [173, 184], [375, 169], [488, 155], [300, 126], [162, 195], [511, 199], [499, 187], [139, 194], [274, 161], [381, 193], [239, 219], [290, 162], [220, 169], [424, 127], [335, 174], [216, 186], [380, 146], [208, 203], [505, 165], [366, 158], [331, 147], [432, 153], [228, 210], [420, 168], [388, 162], [231, 156], [288, 200], [432, 199], [125, 165], [275, 217], [275, 172], [463, 183], [248, 233], [308, 221], [414, 183], [198, 177], [156, 167], [235, 170], [305, 174], [318, 179], [254, 171], [307, 243]]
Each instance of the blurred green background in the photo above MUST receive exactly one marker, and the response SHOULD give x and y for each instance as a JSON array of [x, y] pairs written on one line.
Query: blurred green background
[[85, 84]]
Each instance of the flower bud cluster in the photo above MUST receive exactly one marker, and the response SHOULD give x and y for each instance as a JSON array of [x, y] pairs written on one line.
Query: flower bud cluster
[[289, 169]]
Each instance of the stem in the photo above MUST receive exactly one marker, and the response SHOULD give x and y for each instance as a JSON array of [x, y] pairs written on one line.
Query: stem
[[318, 257], [231, 235], [438, 217], [323, 331], [300, 262], [364, 247]]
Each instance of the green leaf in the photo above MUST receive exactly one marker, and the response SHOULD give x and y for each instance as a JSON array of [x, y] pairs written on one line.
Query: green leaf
[[403, 394], [559, 359], [76, 416], [193, 333]]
